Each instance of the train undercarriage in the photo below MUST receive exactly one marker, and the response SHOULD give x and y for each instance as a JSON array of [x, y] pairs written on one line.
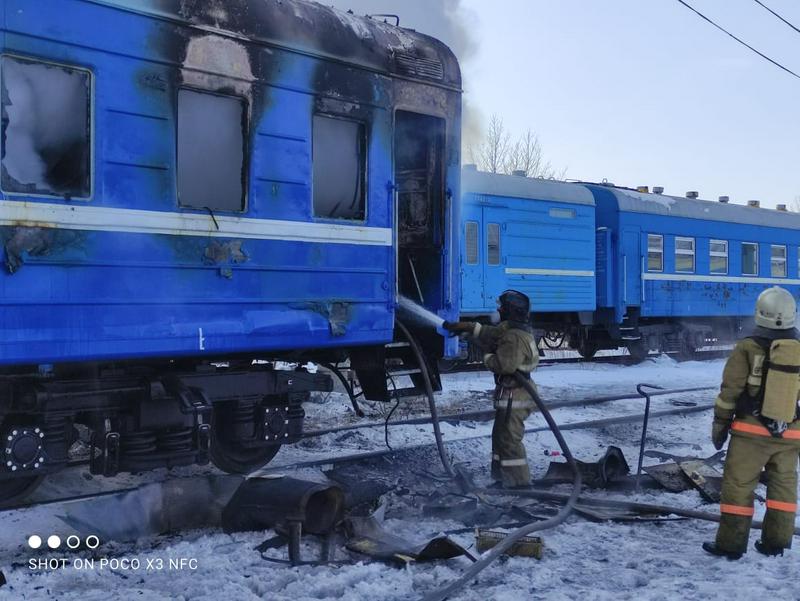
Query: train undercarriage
[[134, 418]]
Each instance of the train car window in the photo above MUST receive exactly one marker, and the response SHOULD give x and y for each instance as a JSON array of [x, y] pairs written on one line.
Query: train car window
[[472, 242], [46, 129], [211, 166], [562, 213], [749, 258], [718, 255], [339, 165], [655, 252], [493, 243], [778, 261], [684, 255]]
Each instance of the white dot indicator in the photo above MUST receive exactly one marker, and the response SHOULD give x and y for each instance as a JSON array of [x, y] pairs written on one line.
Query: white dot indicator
[[92, 541], [73, 542], [34, 542], [54, 542]]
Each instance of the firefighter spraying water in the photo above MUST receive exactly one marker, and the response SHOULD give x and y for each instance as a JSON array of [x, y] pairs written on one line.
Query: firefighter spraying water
[[415, 313]]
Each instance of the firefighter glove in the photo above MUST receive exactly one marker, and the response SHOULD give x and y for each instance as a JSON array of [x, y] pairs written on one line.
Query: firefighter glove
[[458, 327], [719, 432]]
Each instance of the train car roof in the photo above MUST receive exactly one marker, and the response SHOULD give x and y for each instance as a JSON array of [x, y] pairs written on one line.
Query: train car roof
[[694, 208], [315, 29], [517, 186]]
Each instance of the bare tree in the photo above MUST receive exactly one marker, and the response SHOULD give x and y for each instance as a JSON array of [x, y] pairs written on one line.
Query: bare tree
[[492, 153], [498, 154], [526, 155], [795, 206]]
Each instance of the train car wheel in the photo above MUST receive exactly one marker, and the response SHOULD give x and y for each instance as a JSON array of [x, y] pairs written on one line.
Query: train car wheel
[[236, 459], [231, 454], [15, 490], [587, 349], [638, 350]]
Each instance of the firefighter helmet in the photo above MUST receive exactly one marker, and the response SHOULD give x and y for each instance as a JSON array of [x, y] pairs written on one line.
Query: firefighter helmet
[[776, 309], [514, 306]]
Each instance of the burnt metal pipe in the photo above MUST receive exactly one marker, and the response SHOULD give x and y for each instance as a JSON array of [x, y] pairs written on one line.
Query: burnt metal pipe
[[617, 504], [512, 538], [646, 395]]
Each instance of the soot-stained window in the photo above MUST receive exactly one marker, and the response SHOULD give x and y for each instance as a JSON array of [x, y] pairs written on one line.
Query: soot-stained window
[[211, 164], [46, 121], [339, 157]]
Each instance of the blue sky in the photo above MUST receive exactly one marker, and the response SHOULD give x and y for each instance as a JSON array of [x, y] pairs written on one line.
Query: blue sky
[[638, 92]]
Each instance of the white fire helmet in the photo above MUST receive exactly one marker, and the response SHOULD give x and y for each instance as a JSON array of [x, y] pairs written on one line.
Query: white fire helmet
[[776, 309]]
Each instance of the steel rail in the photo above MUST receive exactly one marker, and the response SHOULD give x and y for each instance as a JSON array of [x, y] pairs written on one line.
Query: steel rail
[[364, 456]]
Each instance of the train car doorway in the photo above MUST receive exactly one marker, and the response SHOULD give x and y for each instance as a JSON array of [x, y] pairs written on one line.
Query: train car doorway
[[419, 179]]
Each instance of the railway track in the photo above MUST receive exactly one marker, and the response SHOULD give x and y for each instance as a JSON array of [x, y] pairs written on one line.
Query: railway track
[[337, 460], [621, 359]]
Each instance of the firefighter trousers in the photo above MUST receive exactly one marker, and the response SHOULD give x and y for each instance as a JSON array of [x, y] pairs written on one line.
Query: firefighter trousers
[[747, 456], [509, 460]]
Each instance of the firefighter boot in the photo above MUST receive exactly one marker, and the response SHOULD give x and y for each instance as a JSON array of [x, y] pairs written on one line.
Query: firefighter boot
[[767, 550], [715, 550]]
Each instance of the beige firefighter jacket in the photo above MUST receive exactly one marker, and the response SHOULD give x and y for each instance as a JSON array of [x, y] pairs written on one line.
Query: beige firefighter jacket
[[743, 371], [507, 349]]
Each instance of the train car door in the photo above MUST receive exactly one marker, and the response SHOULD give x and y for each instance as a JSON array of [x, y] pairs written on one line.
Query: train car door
[[472, 258], [419, 179], [494, 279], [631, 267]]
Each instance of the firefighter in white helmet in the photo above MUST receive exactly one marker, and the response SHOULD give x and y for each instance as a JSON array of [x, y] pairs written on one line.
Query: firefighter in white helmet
[[758, 405]]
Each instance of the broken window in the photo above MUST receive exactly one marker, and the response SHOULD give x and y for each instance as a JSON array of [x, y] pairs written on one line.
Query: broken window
[[211, 168], [339, 158], [46, 140]]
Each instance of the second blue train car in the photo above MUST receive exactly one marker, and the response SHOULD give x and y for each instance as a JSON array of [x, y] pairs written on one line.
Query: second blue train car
[[612, 267]]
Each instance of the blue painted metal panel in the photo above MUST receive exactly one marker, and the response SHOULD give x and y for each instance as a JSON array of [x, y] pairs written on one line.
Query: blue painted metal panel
[[699, 294], [547, 251], [85, 295]]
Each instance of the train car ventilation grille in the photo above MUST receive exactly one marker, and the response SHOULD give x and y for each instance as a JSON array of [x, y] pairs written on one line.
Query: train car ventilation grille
[[415, 66]]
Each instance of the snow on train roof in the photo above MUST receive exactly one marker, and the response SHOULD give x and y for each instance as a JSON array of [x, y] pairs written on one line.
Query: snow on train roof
[[695, 208], [517, 186]]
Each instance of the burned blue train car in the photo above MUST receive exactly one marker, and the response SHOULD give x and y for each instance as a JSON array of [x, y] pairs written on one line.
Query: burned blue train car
[[189, 188]]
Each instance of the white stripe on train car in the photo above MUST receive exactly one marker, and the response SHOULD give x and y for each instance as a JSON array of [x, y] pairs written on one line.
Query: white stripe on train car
[[107, 219], [724, 279], [562, 272]]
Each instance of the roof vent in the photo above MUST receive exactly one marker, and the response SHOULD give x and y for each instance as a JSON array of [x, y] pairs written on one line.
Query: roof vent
[[418, 66], [470, 167], [519, 173], [692, 194], [658, 189], [643, 189], [753, 203], [725, 199], [781, 208]]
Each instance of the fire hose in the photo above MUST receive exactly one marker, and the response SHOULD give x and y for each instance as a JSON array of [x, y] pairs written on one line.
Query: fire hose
[[512, 538]]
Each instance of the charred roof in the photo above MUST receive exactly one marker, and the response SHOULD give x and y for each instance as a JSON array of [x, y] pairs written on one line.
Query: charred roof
[[312, 28]]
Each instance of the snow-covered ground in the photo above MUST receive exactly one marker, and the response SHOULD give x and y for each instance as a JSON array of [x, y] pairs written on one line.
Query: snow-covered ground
[[582, 559]]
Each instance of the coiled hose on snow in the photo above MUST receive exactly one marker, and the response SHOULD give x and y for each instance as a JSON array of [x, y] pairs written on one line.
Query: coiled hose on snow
[[513, 537]]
